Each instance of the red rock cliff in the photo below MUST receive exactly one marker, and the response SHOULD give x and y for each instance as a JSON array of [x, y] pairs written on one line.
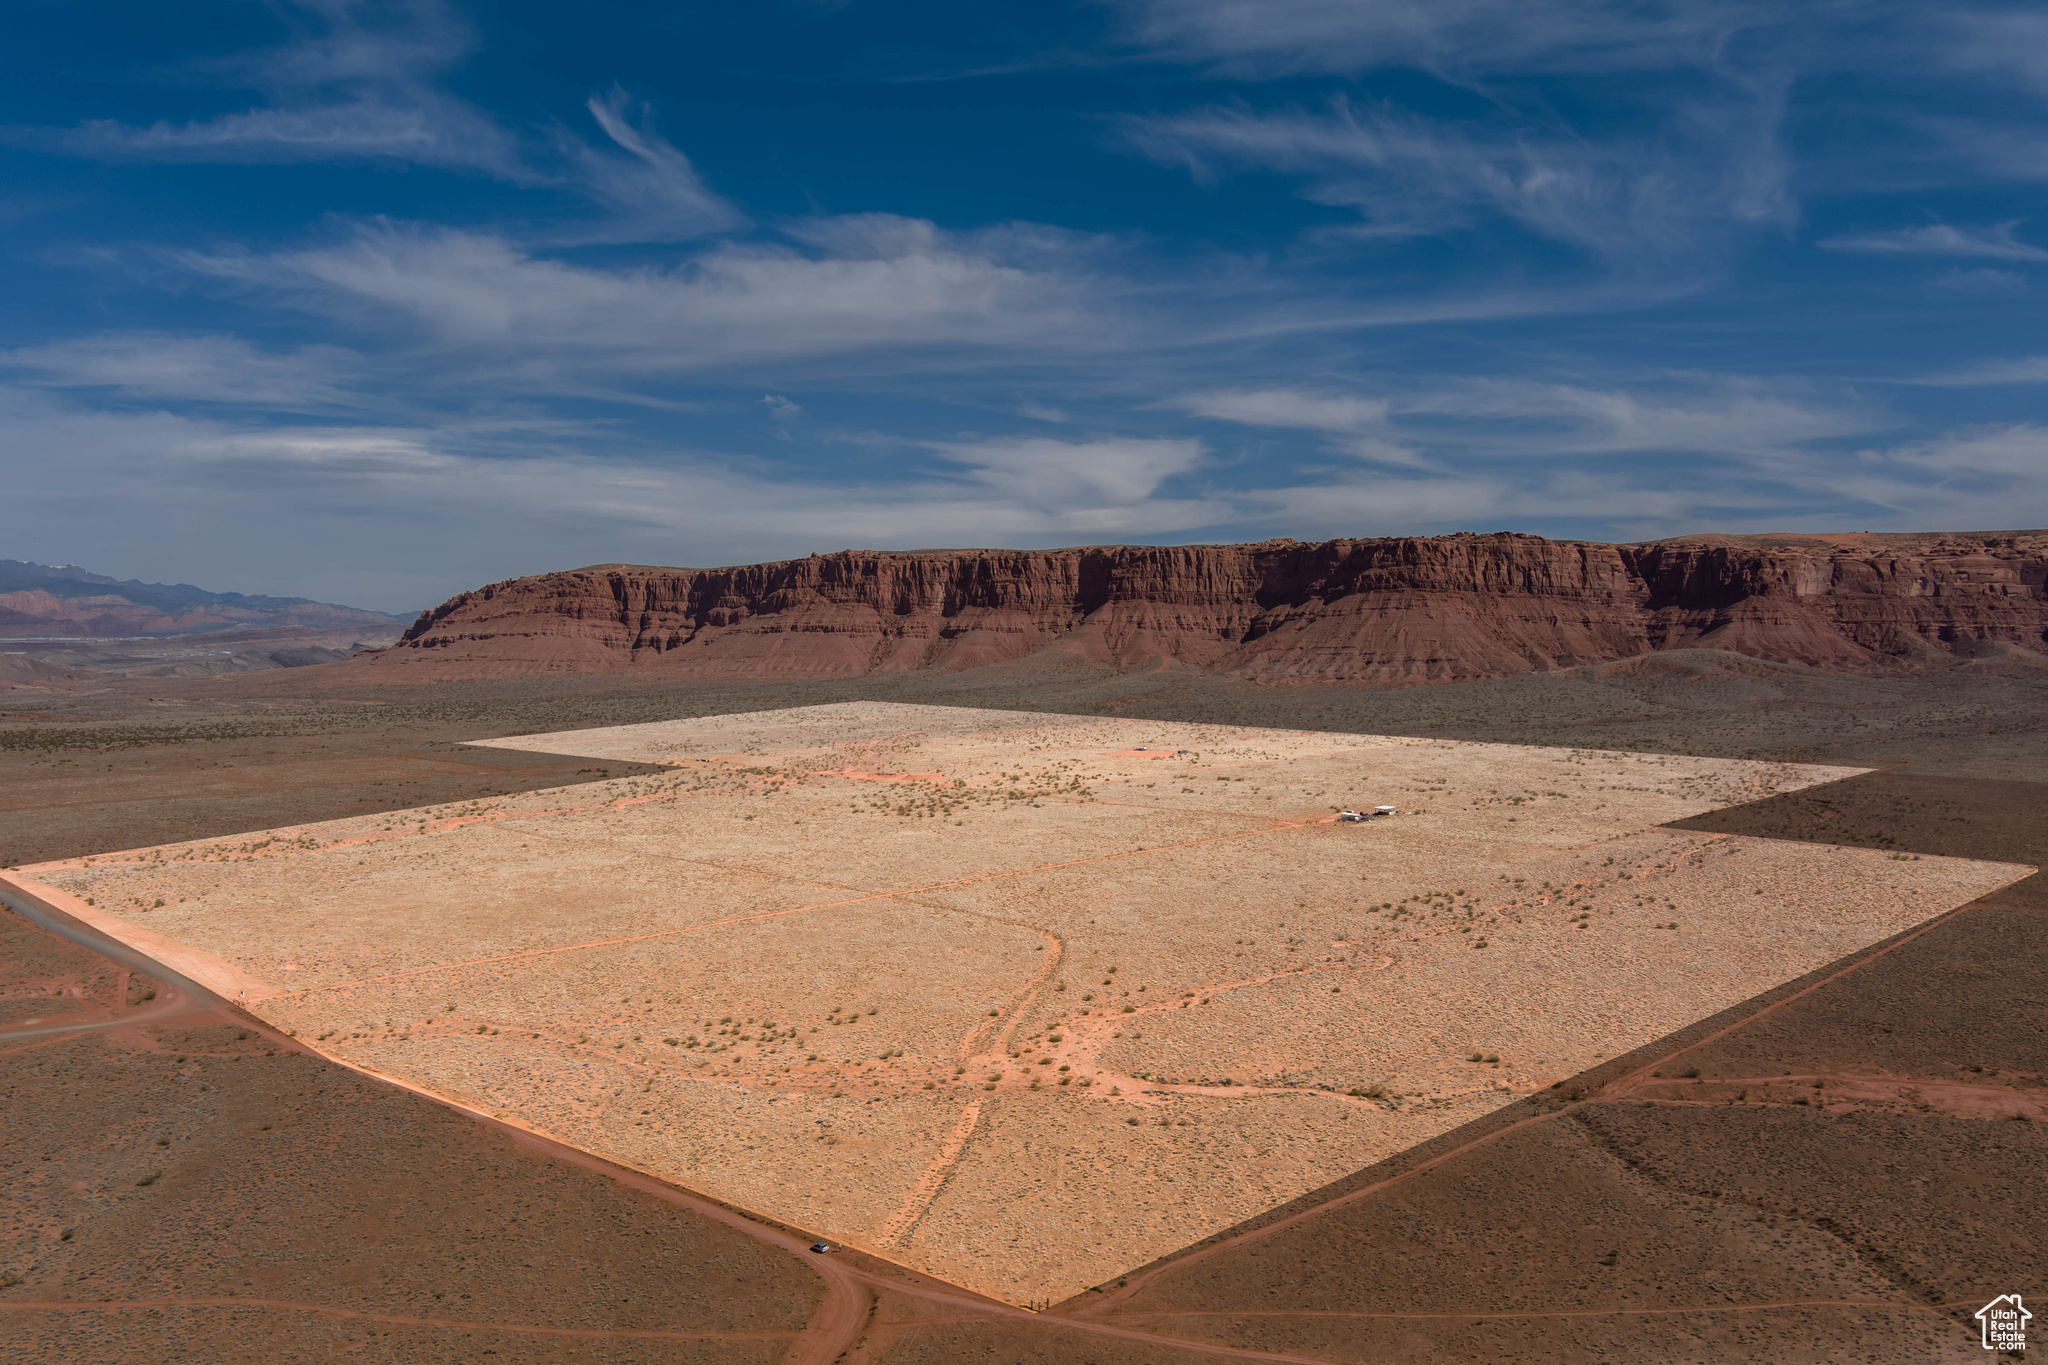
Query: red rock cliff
[[1392, 610]]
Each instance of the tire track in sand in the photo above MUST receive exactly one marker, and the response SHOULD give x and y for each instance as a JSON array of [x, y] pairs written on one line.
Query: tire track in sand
[[935, 1175]]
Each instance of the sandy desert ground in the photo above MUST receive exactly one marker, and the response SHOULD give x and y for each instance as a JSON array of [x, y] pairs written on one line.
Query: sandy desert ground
[[1023, 1001]]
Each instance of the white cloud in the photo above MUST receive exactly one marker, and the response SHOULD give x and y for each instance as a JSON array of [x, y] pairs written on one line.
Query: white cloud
[[431, 132], [2018, 451], [1982, 478], [903, 284], [366, 88], [1096, 481], [1478, 42], [655, 194], [1361, 422], [1709, 415], [2032, 369], [349, 453], [195, 368], [362, 88], [1941, 239], [1295, 408], [398, 517], [1712, 167], [1457, 38], [1452, 421], [2006, 41]]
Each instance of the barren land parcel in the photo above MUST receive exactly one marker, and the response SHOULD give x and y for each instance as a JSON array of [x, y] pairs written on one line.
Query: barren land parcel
[[1022, 1001]]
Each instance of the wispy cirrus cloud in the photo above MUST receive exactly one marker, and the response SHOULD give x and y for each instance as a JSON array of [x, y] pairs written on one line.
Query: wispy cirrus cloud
[[1727, 416], [363, 82], [1356, 425], [2009, 41], [1643, 132], [202, 368], [653, 191], [311, 492], [1481, 42], [585, 492], [865, 284], [1710, 167], [1299, 409], [2002, 453], [1458, 38], [1998, 242], [1104, 486], [1977, 478], [2030, 369], [359, 82], [1447, 422]]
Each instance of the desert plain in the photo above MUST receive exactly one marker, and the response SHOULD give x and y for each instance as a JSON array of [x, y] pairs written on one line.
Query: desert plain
[[1022, 1001]]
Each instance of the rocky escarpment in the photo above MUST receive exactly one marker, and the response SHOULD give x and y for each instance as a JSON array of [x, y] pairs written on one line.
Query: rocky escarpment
[[1401, 609]]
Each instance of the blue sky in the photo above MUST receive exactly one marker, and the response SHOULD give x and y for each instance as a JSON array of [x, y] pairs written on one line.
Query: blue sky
[[372, 302]]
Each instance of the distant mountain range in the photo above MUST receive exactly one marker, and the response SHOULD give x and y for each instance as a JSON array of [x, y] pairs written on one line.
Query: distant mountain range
[[63, 601]]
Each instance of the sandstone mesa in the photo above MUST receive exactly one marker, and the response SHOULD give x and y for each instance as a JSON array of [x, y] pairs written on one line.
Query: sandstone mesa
[[1393, 610]]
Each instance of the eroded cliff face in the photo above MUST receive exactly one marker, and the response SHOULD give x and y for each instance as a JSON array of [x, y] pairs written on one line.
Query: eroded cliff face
[[1389, 610]]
